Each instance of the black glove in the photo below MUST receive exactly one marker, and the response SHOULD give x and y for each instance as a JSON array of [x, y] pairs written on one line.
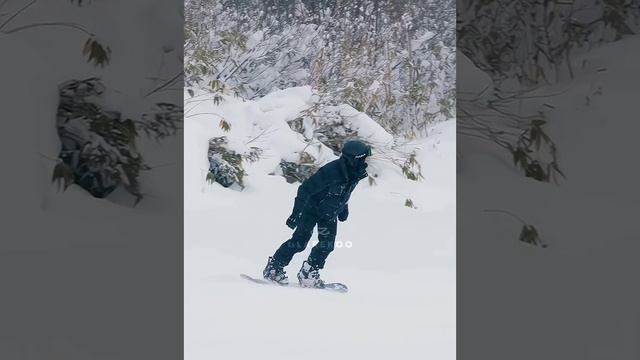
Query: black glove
[[296, 214], [344, 214], [293, 219]]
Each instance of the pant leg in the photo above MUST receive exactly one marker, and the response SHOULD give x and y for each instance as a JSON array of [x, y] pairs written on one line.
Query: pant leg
[[299, 239], [327, 230]]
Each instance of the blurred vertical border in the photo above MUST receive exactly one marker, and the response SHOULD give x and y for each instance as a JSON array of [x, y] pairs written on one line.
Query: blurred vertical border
[[91, 251]]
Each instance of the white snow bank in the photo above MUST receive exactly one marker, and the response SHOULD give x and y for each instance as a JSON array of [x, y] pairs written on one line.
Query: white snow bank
[[367, 128]]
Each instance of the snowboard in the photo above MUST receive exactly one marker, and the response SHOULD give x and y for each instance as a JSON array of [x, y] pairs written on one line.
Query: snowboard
[[337, 287]]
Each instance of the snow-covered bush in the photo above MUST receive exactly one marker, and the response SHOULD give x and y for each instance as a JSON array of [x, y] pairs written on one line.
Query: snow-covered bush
[[535, 42], [282, 135], [394, 61], [379, 71], [225, 166], [301, 170], [518, 47], [99, 150], [326, 125], [98, 146], [98, 119]]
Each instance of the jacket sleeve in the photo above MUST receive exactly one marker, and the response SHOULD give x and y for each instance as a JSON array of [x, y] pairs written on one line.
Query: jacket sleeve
[[345, 211], [313, 185]]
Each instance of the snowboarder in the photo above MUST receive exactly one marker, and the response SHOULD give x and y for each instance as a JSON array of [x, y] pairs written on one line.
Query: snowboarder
[[321, 199]]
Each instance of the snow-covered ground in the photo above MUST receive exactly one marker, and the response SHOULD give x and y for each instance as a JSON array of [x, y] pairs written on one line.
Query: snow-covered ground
[[399, 262], [577, 299]]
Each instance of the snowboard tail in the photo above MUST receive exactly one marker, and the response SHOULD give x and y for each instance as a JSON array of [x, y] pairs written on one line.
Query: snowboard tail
[[337, 287]]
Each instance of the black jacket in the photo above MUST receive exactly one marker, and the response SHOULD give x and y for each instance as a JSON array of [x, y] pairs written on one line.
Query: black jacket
[[327, 192]]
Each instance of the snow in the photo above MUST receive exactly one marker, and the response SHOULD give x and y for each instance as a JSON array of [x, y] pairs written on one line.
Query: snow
[[578, 298], [398, 262], [428, 35], [367, 129]]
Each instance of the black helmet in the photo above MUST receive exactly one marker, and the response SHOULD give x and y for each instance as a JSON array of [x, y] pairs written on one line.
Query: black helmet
[[355, 153], [356, 149]]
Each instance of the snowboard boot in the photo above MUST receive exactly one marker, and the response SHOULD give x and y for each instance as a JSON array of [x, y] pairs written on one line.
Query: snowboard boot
[[309, 276], [274, 271]]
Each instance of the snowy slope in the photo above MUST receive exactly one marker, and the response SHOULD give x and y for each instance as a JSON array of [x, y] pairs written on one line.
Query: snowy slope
[[398, 262], [583, 288]]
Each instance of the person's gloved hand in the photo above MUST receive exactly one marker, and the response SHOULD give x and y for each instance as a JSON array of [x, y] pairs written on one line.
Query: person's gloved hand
[[344, 214], [293, 219]]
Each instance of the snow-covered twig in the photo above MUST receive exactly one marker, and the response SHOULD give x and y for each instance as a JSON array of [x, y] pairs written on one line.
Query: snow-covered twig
[[263, 133], [205, 113], [166, 84]]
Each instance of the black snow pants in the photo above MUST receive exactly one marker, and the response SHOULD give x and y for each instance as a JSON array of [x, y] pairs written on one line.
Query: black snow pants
[[301, 236]]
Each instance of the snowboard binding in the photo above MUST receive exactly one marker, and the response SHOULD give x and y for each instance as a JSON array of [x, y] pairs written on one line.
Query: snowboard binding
[[274, 271], [309, 276]]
